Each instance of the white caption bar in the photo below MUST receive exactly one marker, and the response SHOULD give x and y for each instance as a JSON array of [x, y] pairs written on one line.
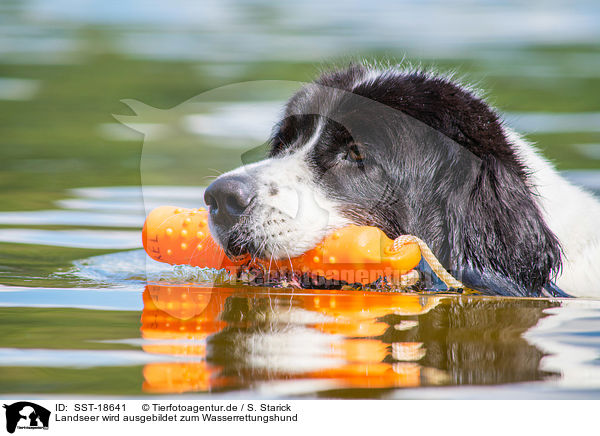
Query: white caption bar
[[320, 417]]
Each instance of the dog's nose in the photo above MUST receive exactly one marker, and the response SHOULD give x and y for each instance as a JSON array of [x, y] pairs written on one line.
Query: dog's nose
[[228, 197]]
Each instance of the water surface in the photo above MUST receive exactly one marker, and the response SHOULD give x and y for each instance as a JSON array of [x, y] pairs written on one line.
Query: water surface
[[75, 321]]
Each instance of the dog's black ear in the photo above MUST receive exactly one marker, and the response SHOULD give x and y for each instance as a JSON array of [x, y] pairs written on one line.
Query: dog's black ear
[[503, 233], [490, 282]]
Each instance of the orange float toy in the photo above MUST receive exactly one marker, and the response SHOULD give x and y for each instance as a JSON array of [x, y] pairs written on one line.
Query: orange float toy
[[353, 254]]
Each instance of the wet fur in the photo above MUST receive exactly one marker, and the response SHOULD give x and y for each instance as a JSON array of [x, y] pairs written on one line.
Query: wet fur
[[437, 162]]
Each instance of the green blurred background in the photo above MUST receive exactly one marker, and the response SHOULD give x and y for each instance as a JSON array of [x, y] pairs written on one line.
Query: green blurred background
[[65, 66]]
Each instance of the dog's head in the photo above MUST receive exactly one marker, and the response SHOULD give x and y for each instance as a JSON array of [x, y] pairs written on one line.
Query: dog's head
[[408, 152]]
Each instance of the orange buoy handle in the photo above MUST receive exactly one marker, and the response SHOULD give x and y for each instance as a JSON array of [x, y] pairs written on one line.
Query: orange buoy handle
[[353, 254]]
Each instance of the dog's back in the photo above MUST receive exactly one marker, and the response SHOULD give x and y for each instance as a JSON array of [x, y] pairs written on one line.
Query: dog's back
[[573, 214]]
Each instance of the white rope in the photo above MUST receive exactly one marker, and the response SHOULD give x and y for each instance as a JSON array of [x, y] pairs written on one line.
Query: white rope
[[428, 255]]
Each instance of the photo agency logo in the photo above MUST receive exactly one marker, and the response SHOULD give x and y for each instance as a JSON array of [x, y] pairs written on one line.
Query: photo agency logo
[[298, 170], [25, 415]]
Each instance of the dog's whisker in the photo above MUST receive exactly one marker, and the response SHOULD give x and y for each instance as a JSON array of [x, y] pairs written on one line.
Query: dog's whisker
[[219, 172], [270, 261]]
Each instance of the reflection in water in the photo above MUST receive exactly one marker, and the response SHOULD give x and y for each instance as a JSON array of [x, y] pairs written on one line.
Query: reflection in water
[[227, 338]]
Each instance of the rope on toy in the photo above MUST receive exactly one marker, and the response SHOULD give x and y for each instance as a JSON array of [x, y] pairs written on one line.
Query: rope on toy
[[433, 262]]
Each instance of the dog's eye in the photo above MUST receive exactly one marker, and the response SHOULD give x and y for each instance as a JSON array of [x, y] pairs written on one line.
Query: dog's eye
[[353, 154]]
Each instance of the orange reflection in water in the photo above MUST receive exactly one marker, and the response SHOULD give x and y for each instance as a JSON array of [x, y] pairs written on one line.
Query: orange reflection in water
[[226, 337], [176, 320]]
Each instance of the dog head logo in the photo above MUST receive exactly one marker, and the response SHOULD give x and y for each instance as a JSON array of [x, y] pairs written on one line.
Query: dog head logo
[[26, 415]]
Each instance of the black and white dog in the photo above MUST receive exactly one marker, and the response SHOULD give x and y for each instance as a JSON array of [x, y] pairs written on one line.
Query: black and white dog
[[412, 153]]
